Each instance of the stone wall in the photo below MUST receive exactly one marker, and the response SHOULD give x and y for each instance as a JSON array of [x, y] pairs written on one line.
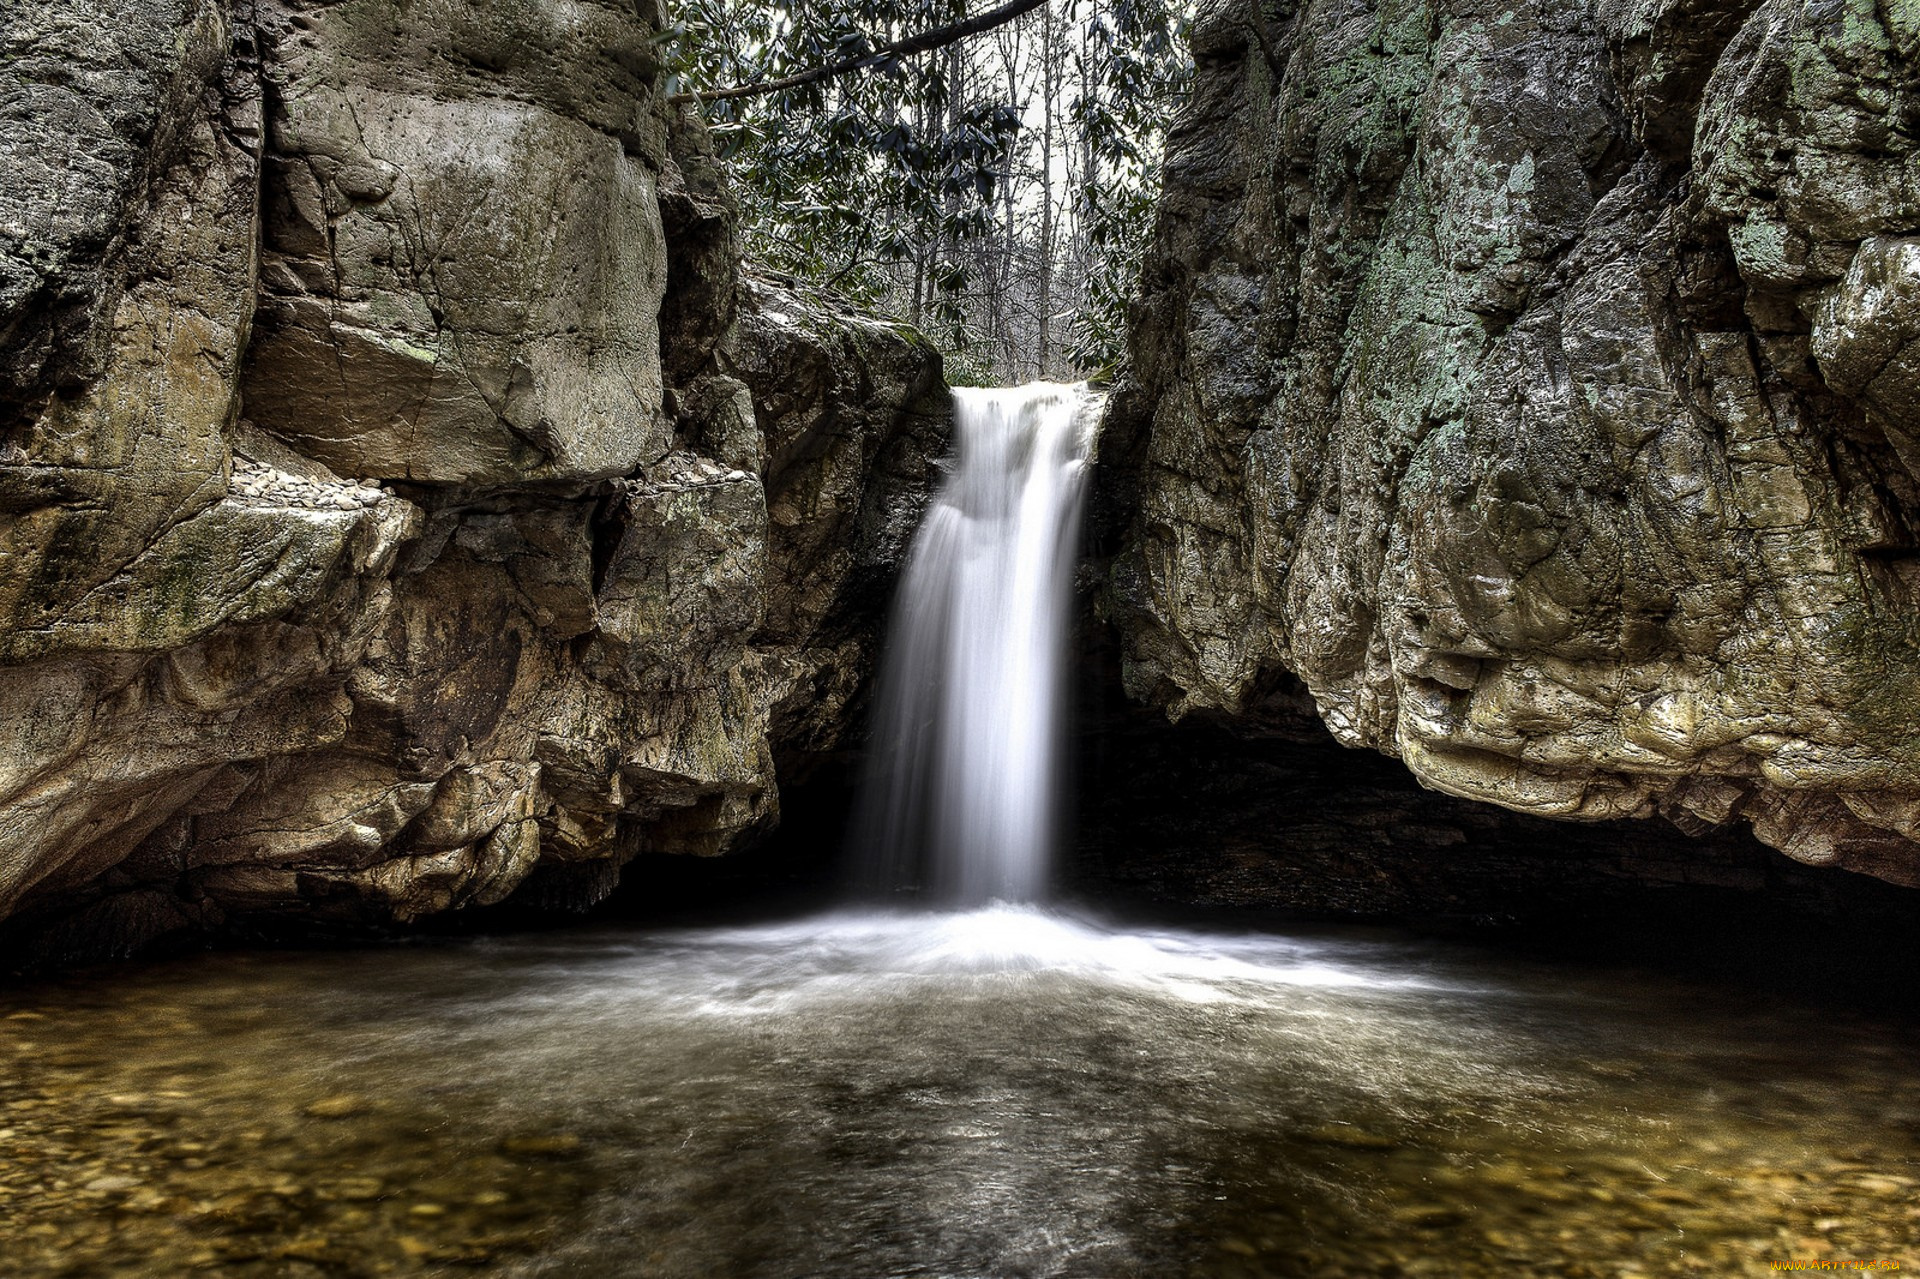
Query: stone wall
[[404, 499], [1536, 383]]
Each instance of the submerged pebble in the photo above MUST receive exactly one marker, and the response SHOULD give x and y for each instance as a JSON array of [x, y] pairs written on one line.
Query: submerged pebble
[[1003, 1092]]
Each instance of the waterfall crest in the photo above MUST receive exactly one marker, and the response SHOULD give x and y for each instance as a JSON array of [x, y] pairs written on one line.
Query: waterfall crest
[[962, 792]]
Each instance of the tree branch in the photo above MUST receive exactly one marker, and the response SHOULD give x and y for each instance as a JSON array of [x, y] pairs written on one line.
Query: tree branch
[[924, 42], [1276, 65]]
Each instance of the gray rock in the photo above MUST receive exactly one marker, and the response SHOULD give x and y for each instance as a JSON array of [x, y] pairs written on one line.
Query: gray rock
[[235, 681], [1532, 382], [463, 272]]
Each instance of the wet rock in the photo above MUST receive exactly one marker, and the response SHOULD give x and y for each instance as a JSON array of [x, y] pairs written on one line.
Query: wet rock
[[1532, 383], [111, 1185], [1350, 1137], [337, 1107], [376, 573], [1431, 1216], [555, 1145]]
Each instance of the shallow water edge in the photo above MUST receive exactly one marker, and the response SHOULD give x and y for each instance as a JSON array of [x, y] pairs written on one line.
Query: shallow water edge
[[1007, 1091]]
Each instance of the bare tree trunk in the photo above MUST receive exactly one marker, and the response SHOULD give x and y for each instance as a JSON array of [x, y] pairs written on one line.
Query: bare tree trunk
[[1087, 252], [947, 257], [1007, 353], [1049, 88], [919, 259]]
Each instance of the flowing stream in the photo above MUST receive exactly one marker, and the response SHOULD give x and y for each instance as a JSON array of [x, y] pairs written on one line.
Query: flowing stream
[[988, 1090]]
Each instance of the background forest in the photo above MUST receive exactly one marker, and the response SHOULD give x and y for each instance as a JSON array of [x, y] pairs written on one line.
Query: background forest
[[996, 191]]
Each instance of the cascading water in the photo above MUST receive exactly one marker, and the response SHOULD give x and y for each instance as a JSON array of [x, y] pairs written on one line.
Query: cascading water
[[962, 793], [1004, 1089]]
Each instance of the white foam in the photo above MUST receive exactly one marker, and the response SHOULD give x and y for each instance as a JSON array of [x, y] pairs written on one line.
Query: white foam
[[846, 953]]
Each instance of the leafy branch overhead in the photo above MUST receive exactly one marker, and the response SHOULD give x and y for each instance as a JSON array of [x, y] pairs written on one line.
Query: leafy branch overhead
[[989, 177]]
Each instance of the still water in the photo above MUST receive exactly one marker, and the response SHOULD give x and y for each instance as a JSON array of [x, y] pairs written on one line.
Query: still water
[[1001, 1092]]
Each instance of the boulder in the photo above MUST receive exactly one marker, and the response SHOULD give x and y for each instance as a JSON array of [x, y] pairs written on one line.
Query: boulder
[[1531, 382]]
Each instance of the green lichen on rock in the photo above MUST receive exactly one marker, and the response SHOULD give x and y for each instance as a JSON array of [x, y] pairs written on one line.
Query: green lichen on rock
[[402, 492], [1531, 382]]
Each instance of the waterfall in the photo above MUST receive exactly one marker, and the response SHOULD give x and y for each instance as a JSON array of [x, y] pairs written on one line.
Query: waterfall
[[963, 788]]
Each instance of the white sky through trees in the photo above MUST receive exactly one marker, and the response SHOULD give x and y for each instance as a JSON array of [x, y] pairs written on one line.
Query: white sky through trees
[[996, 192]]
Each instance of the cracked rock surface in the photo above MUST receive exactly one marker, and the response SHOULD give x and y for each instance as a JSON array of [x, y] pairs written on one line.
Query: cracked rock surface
[[405, 500], [1537, 383]]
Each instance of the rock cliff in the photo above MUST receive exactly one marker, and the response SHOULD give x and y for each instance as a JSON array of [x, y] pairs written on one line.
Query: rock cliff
[[404, 499], [1536, 384]]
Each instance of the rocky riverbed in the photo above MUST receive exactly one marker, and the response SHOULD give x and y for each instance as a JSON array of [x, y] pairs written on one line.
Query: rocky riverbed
[[1005, 1092]]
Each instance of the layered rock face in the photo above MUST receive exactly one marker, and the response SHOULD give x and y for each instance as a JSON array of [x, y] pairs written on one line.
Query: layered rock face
[[1537, 383], [404, 500]]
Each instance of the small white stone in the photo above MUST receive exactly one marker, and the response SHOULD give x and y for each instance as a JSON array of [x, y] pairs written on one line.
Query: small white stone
[[110, 1185]]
